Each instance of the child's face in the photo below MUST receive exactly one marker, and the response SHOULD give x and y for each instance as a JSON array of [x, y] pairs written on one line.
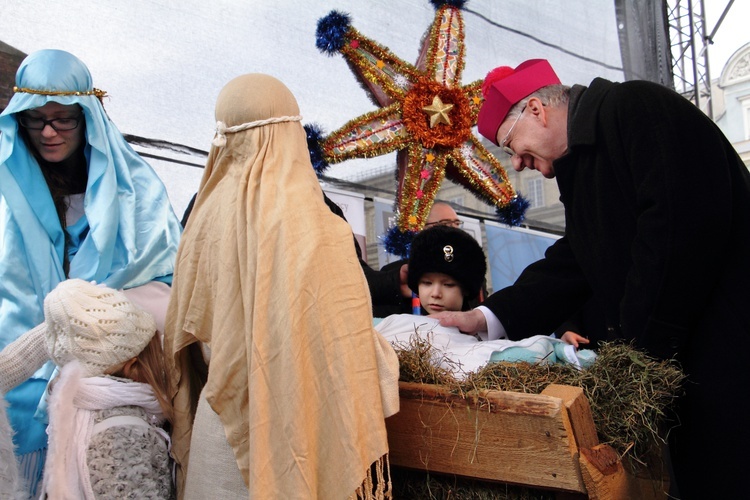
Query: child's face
[[439, 292]]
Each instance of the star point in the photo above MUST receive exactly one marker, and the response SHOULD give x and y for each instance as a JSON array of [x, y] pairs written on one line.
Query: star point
[[438, 112], [427, 153]]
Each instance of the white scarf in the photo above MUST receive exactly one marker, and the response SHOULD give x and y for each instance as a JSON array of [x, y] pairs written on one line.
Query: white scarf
[[73, 400]]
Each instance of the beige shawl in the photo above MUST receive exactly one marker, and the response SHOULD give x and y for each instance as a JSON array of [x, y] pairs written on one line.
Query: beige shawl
[[269, 279]]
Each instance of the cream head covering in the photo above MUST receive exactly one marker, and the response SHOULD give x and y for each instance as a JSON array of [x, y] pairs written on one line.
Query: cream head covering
[[97, 326], [267, 276]]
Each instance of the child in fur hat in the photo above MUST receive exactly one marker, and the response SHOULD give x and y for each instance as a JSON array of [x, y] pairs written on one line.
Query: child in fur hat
[[446, 269], [107, 407]]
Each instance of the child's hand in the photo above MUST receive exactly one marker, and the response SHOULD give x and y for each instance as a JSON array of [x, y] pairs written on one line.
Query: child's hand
[[574, 339]]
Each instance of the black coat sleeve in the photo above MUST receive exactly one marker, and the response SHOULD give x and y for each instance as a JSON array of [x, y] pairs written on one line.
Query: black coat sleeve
[[546, 294]]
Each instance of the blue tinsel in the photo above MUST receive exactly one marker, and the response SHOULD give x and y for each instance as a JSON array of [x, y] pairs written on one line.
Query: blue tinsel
[[314, 137], [329, 37], [513, 214], [398, 243], [459, 4]]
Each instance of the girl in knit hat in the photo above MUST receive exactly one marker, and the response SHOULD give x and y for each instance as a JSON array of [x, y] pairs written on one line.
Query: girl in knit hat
[[108, 406]]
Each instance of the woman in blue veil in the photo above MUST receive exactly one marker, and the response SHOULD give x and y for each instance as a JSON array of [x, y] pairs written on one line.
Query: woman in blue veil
[[75, 202]]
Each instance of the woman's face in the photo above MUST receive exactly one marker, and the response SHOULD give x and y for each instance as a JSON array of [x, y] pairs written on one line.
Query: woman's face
[[53, 145], [439, 292]]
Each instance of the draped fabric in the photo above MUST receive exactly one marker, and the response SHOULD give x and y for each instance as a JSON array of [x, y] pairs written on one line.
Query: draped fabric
[[128, 235], [268, 277], [644, 40]]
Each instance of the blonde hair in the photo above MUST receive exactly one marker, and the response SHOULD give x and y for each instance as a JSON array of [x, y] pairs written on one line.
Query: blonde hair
[[150, 369]]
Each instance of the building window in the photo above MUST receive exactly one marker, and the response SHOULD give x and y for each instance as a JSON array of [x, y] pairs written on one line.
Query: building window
[[746, 115], [535, 192]]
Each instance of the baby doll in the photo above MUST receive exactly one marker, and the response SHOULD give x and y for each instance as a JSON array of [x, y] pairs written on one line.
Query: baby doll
[[447, 268], [107, 407]]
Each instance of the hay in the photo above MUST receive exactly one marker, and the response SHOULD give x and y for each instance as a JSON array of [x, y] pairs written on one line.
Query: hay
[[630, 394], [423, 485], [420, 362]]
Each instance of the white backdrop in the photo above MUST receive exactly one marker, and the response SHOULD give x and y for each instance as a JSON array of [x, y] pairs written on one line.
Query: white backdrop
[[163, 62]]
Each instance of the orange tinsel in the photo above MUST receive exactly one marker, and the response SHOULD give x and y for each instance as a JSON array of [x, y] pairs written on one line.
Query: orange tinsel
[[449, 136]]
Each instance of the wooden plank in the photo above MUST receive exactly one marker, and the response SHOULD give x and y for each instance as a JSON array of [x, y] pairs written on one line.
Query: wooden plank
[[501, 436], [604, 474], [579, 412]]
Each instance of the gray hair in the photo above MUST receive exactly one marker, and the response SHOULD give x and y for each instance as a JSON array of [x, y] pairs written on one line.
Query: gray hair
[[550, 95]]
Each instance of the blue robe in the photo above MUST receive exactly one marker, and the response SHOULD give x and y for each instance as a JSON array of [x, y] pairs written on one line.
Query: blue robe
[[127, 237]]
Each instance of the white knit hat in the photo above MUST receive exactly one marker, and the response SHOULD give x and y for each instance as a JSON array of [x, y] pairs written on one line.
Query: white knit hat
[[96, 325]]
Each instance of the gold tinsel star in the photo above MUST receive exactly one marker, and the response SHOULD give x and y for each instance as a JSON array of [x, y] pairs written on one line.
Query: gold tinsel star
[[427, 153], [438, 112]]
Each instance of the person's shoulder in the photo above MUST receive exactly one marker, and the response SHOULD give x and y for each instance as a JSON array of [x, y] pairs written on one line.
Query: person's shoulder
[[641, 90], [394, 265], [634, 100]]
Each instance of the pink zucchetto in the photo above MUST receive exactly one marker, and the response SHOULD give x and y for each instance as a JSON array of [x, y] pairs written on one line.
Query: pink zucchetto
[[504, 87]]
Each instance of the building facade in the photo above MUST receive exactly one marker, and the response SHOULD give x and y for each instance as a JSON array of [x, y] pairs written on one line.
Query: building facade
[[732, 101]]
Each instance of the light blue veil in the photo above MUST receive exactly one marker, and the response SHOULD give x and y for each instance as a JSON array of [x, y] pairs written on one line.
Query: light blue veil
[[127, 237]]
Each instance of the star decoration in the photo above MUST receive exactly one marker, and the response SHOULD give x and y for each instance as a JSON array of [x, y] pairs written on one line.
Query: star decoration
[[438, 112], [428, 150]]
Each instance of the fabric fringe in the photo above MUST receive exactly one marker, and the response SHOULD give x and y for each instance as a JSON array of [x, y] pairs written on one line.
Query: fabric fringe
[[377, 483], [11, 483], [31, 467]]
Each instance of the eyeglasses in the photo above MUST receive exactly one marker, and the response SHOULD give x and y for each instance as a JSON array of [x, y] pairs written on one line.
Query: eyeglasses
[[505, 148], [57, 124], [446, 222]]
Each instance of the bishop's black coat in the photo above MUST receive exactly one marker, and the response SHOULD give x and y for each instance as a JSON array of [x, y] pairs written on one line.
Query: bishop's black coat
[[657, 207]]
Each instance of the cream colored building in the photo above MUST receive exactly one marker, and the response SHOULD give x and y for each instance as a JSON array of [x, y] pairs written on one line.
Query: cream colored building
[[731, 101]]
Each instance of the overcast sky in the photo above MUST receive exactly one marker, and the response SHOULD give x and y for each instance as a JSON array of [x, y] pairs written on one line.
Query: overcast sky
[[163, 62], [732, 33]]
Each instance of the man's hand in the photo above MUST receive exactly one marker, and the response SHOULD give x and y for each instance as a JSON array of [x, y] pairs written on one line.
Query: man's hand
[[469, 322], [403, 277]]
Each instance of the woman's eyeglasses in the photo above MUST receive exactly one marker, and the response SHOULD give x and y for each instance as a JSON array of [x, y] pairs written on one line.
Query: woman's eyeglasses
[[446, 222], [57, 124]]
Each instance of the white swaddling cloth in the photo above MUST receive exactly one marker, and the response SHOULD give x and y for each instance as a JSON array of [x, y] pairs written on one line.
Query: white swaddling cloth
[[461, 353]]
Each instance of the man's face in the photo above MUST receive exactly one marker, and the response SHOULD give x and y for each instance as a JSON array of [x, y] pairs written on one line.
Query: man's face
[[441, 213], [537, 138]]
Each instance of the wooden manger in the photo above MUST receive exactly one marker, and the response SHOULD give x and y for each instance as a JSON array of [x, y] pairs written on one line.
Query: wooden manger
[[545, 441]]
